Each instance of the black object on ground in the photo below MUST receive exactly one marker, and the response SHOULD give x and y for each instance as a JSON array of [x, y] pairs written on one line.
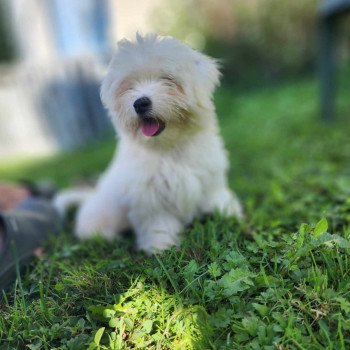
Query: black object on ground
[[24, 230]]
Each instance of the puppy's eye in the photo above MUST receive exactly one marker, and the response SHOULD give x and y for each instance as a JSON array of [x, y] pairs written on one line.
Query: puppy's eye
[[170, 81]]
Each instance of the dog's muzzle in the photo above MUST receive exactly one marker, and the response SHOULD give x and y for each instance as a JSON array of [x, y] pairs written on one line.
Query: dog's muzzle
[[150, 125]]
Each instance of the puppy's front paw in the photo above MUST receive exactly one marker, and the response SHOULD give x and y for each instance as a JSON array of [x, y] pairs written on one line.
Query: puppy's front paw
[[90, 229], [233, 208], [225, 202], [88, 225], [158, 234], [157, 242]]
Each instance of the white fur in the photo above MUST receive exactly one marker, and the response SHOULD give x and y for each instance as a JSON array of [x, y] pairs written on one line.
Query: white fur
[[158, 185]]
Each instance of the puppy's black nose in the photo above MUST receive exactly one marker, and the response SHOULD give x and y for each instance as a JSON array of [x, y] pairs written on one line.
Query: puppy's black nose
[[142, 105]]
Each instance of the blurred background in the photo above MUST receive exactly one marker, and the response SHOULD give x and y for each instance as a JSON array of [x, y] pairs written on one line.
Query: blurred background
[[53, 54]]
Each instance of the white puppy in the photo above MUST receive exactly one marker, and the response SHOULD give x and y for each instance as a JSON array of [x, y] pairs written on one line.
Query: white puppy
[[171, 165]]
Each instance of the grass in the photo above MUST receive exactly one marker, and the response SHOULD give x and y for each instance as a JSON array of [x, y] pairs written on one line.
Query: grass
[[280, 280]]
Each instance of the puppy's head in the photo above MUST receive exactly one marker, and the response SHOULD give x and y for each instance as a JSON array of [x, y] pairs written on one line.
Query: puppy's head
[[158, 89]]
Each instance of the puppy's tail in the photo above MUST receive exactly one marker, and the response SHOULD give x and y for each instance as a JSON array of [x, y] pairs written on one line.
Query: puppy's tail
[[70, 198]]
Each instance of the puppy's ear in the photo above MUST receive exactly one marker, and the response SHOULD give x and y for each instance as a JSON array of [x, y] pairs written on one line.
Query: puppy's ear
[[109, 87], [113, 76], [106, 91], [207, 78]]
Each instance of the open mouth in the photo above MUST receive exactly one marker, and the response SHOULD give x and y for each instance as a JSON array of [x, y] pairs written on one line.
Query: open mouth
[[152, 126]]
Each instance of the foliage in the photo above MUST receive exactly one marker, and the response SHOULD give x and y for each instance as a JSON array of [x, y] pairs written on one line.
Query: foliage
[[258, 40], [279, 280]]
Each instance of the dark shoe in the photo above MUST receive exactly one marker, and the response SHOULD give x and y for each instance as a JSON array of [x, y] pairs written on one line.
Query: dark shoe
[[24, 230], [41, 189]]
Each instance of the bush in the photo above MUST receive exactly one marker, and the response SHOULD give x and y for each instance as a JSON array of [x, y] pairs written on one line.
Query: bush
[[265, 39]]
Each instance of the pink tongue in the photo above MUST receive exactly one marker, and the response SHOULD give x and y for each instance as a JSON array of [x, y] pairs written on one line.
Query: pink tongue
[[150, 127]]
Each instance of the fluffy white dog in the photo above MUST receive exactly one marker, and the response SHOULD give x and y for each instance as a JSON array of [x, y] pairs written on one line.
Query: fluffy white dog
[[171, 165]]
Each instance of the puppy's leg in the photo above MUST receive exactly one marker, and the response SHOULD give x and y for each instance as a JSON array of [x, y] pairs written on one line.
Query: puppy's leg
[[102, 217], [156, 232], [223, 200]]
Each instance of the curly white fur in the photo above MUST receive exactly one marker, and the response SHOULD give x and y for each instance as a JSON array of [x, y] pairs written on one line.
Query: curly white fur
[[158, 185]]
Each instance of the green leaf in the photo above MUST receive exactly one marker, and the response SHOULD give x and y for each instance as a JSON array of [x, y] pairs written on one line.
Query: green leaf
[[321, 227], [97, 309], [190, 270], [98, 335], [129, 324], [263, 310], [36, 346], [147, 326], [221, 318], [108, 313], [344, 304], [301, 236], [304, 228], [341, 242], [113, 322], [234, 260], [250, 324], [214, 269], [237, 280], [330, 240], [137, 335]]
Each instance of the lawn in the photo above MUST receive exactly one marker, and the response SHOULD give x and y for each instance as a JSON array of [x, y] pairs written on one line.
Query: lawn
[[280, 280]]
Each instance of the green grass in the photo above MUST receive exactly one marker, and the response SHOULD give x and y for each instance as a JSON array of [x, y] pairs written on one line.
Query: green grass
[[280, 280]]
